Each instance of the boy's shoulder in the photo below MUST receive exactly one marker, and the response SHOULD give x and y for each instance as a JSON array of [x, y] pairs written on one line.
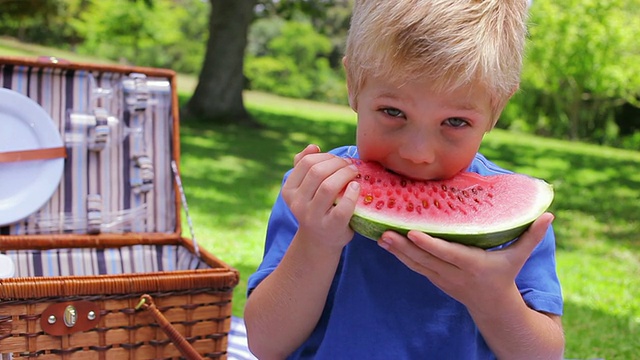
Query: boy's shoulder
[[348, 151], [480, 163], [484, 166]]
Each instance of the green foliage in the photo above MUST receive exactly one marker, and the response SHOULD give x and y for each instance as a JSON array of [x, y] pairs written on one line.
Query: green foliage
[[581, 65], [292, 60], [261, 32], [187, 52], [278, 75], [301, 43], [131, 32], [289, 9], [31, 20]]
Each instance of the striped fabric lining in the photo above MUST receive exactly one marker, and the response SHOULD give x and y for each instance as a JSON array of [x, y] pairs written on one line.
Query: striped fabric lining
[[238, 348], [70, 98], [111, 261]]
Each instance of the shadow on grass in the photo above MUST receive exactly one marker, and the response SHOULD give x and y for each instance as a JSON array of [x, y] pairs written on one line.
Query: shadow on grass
[[249, 162]]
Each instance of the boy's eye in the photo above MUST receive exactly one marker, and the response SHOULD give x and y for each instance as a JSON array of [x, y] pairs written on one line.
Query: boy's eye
[[456, 122], [393, 112]]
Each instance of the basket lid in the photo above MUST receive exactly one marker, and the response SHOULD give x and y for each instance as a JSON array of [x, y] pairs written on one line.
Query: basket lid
[[119, 129]]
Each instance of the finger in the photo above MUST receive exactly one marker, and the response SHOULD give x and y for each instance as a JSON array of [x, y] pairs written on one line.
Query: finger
[[409, 253], [522, 249], [448, 252], [347, 203], [310, 149], [340, 174], [323, 180], [303, 165]]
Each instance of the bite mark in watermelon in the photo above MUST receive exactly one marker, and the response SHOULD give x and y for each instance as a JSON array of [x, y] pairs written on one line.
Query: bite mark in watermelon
[[471, 209]]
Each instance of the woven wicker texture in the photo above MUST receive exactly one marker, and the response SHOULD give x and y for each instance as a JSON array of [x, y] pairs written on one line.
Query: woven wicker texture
[[196, 302]]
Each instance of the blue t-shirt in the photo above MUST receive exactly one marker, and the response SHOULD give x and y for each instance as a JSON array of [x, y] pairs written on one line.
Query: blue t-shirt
[[377, 308]]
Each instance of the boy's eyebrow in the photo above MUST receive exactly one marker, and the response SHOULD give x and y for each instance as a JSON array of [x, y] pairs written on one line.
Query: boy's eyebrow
[[464, 105], [457, 104], [386, 94], [468, 108]]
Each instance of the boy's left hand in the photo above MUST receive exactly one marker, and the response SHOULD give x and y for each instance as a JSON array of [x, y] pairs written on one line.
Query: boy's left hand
[[468, 274]]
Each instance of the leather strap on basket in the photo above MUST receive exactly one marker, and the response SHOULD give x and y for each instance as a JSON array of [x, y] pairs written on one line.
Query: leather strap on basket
[[69, 317], [37, 154], [146, 303]]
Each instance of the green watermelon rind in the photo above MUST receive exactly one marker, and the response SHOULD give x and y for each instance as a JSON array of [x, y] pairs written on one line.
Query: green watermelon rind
[[374, 230], [487, 237]]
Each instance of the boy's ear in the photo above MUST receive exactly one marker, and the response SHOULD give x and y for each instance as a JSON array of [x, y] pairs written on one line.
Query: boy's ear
[[501, 107], [514, 90], [352, 103]]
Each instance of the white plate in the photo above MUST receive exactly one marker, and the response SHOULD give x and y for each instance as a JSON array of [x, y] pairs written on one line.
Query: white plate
[[26, 186]]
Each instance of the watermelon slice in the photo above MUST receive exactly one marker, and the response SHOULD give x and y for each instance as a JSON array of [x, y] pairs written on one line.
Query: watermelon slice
[[471, 209]]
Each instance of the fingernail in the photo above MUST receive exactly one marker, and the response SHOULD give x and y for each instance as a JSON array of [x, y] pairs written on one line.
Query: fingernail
[[354, 185], [384, 243], [351, 163]]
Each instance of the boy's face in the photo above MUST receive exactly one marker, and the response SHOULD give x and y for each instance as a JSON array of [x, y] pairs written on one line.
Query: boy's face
[[417, 132]]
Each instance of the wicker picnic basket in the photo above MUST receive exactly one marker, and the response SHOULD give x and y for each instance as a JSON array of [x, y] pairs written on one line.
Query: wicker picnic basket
[[102, 270]]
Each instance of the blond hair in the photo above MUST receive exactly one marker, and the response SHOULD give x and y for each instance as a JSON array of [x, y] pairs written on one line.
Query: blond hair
[[451, 43]]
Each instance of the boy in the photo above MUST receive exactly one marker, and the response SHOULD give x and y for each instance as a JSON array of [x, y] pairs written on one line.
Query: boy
[[427, 79]]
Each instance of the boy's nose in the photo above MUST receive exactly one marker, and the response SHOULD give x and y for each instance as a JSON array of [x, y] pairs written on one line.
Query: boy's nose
[[418, 148]]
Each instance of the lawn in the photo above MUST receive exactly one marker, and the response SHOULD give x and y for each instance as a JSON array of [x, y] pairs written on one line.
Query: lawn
[[233, 174]]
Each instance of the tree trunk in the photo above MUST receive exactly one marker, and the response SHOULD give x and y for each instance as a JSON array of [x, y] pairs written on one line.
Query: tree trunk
[[218, 95]]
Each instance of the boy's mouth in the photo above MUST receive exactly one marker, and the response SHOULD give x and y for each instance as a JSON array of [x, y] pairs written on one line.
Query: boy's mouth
[[407, 176], [418, 178]]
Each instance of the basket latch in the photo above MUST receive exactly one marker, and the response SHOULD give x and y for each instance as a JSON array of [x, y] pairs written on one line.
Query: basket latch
[[143, 183], [94, 213], [99, 134], [138, 99], [69, 317]]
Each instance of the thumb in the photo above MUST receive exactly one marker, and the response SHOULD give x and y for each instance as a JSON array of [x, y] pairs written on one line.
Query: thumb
[[528, 241]]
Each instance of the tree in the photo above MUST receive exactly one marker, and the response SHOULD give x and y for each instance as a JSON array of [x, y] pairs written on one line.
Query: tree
[[218, 95]]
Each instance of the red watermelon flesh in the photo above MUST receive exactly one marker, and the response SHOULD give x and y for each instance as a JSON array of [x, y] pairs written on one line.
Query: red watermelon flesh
[[482, 211]]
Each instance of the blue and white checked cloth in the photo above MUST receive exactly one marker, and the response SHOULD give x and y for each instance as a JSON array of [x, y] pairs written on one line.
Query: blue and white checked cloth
[[238, 349]]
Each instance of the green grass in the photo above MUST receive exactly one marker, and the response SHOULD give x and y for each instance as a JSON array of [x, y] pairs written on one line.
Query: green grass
[[12, 47], [233, 174]]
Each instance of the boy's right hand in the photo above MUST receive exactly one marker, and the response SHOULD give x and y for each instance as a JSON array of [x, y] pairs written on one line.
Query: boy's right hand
[[311, 190]]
